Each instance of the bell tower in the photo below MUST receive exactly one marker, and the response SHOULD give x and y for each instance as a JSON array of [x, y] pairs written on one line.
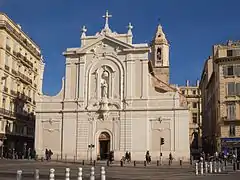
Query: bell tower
[[160, 55]]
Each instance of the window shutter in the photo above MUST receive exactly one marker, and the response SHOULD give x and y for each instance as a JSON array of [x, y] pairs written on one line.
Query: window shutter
[[237, 70], [238, 89], [224, 71], [231, 88]]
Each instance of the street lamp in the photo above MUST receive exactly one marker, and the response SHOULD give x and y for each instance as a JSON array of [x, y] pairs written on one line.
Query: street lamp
[[91, 146]]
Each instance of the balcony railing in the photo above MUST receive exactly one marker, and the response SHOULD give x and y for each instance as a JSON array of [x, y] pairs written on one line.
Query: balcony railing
[[20, 116], [23, 41], [25, 78], [5, 89], [7, 67], [8, 48]]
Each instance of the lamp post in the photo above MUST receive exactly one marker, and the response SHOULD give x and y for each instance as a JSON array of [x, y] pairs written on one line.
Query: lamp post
[[91, 146]]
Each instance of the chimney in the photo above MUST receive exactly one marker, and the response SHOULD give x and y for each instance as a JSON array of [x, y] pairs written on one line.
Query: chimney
[[187, 83]]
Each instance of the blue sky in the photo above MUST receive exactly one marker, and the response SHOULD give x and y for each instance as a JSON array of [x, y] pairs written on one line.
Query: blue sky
[[192, 27]]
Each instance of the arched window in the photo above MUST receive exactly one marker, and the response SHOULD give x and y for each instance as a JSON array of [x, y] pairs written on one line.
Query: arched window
[[159, 55]]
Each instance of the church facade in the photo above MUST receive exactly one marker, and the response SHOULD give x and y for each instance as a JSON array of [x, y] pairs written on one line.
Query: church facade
[[113, 98]]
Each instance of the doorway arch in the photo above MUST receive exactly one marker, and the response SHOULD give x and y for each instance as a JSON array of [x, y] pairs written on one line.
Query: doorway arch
[[104, 145]]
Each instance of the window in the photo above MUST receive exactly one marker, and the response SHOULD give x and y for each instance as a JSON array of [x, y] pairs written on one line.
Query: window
[[2, 125], [194, 92], [229, 53], [230, 88], [231, 111], [11, 106], [232, 130], [194, 105], [6, 59], [237, 70], [183, 91], [159, 55], [4, 103], [230, 71], [238, 89], [194, 118]]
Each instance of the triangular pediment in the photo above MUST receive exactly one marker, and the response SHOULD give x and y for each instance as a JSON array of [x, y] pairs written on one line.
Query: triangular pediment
[[104, 41]]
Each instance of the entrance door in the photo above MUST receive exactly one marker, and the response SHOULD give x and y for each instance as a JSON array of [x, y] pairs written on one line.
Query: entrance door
[[104, 145]]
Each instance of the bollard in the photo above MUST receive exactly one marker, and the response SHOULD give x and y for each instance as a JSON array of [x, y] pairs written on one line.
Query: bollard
[[206, 167], [180, 162], [215, 166], [145, 163], [83, 162], [210, 167], [36, 174], [157, 162], [67, 174], [65, 158], [80, 173], [201, 168], [74, 159], [107, 162], [51, 175], [92, 177], [94, 163], [238, 166], [103, 173], [196, 168], [121, 163], [19, 175], [134, 163], [219, 167]]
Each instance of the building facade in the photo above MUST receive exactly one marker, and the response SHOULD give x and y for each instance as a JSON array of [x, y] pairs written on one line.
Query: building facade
[[21, 70], [111, 100], [193, 98], [220, 87]]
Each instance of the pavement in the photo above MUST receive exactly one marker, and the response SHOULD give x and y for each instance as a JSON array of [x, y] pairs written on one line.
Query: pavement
[[8, 169]]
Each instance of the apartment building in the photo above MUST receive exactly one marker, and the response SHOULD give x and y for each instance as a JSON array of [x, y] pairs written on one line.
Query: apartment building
[[192, 94], [21, 70], [220, 88]]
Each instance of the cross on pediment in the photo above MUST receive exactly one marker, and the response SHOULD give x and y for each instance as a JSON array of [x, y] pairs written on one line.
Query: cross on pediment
[[107, 16]]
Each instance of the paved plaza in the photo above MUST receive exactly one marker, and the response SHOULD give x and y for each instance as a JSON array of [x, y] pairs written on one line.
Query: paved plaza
[[8, 170]]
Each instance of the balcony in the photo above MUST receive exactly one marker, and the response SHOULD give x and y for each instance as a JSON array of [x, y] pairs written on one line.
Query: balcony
[[25, 116], [22, 40], [7, 67], [5, 89], [6, 112], [8, 48], [24, 78], [229, 119]]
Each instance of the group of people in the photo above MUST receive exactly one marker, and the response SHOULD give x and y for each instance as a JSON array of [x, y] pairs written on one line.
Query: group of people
[[148, 158], [48, 154], [12, 153]]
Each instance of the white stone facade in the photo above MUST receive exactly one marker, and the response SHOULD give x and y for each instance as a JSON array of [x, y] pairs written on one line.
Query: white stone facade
[[109, 99]]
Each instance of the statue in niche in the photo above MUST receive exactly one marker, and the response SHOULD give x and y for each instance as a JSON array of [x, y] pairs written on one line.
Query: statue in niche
[[104, 84]]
